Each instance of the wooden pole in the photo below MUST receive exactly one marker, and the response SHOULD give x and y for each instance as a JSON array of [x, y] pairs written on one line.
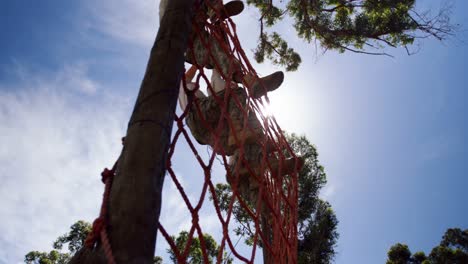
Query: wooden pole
[[135, 199]]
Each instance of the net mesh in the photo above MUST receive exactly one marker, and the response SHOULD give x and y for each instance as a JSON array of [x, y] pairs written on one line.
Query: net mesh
[[258, 163]]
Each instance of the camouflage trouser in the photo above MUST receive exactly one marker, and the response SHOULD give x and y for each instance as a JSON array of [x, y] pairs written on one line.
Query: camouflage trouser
[[247, 184], [246, 171], [203, 127], [206, 49]]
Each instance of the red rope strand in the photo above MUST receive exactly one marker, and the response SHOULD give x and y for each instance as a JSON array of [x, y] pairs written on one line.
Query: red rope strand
[[276, 183], [99, 230], [259, 164]]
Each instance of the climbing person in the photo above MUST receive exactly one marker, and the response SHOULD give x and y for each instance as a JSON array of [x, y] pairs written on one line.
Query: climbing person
[[204, 117], [204, 113]]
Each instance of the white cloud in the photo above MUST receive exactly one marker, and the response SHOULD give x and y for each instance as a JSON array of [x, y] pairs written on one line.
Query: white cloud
[[55, 142], [76, 77], [176, 217], [53, 146], [135, 22], [56, 139]]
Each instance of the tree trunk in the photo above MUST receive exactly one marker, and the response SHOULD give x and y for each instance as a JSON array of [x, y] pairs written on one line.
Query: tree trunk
[[135, 198]]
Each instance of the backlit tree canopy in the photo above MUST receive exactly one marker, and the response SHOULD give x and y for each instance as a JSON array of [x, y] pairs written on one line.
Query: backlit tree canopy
[[452, 249], [317, 222], [362, 26]]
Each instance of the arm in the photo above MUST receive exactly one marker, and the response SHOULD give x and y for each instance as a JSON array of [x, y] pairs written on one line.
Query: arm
[[190, 73], [183, 100], [217, 83]]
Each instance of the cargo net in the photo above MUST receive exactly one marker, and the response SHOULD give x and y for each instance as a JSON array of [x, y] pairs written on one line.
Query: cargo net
[[256, 161]]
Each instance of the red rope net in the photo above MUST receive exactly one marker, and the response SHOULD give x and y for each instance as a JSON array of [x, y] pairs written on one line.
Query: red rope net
[[259, 165]]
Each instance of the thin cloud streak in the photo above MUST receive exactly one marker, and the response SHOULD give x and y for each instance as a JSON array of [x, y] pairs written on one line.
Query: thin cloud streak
[[133, 22], [57, 141]]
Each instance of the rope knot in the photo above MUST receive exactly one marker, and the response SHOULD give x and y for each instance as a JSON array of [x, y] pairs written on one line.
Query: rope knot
[[106, 174]]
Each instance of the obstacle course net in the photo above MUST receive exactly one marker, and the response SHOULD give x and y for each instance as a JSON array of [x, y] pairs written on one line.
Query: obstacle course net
[[261, 168]]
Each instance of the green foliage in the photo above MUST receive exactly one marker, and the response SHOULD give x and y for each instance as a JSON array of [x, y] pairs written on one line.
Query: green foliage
[[419, 257], [452, 249], [311, 178], [455, 238], [399, 254], [195, 252], [318, 238], [53, 257], [75, 240], [271, 45], [317, 223], [344, 25], [157, 260]]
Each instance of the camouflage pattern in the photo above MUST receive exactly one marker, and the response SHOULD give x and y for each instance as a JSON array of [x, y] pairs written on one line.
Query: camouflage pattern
[[245, 172], [247, 184], [212, 55], [203, 127]]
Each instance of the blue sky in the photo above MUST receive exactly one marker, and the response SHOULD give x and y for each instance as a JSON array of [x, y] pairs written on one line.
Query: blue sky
[[390, 132]]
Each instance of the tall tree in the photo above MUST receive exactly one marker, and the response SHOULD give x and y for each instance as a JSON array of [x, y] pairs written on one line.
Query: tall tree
[[317, 223], [135, 197], [317, 239], [362, 26], [74, 239], [195, 254], [399, 254], [452, 249]]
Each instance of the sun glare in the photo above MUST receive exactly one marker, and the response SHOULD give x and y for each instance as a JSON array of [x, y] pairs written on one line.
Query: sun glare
[[271, 110], [278, 109], [267, 109]]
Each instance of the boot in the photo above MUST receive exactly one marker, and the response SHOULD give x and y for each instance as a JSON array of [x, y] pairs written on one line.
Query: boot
[[259, 87], [232, 8]]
